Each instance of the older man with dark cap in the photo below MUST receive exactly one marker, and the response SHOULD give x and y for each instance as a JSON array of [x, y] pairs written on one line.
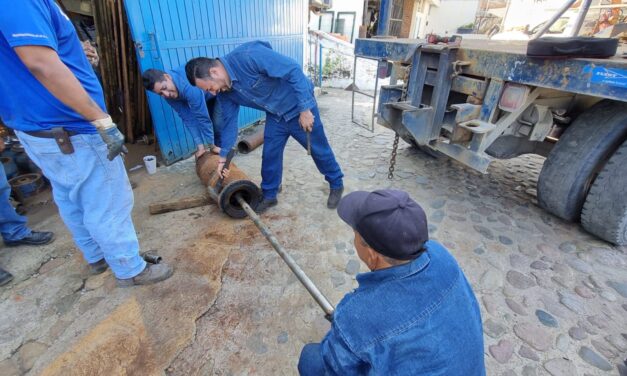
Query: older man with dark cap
[[413, 314]]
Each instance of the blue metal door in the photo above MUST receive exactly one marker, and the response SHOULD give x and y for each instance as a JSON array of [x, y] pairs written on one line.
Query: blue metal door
[[168, 33]]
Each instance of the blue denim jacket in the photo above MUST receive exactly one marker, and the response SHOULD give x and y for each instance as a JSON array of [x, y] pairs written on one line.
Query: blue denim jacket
[[420, 318], [191, 106], [263, 79]]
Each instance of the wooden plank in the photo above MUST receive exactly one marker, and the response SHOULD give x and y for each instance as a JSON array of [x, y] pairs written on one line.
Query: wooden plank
[[179, 204]]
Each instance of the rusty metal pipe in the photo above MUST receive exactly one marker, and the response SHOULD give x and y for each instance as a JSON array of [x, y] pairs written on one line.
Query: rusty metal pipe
[[236, 183], [313, 290], [250, 142], [239, 198]]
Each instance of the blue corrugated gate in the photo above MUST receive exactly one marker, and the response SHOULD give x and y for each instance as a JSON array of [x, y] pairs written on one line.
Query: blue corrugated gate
[[168, 33]]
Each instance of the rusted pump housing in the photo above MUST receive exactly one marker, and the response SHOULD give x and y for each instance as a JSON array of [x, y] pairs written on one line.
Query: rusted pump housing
[[236, 183]]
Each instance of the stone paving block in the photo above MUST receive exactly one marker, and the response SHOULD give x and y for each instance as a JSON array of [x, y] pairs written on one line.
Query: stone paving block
[[560, 367], [594, 359], [534, 335]]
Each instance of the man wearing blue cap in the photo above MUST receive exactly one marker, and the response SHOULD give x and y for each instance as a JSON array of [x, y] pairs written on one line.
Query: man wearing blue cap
[[413, 314]]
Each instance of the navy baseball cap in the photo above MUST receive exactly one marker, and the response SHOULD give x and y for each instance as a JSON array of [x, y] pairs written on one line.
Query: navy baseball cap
[[389, 221]]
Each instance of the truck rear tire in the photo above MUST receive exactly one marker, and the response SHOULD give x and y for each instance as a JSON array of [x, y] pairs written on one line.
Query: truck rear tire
[[574, 162], [605, 211]]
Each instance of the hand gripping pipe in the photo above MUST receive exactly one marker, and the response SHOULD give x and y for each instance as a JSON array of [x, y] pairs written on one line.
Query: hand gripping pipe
[[239, 198]]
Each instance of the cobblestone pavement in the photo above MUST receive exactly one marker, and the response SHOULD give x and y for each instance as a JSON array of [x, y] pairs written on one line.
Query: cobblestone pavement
[[553, 298]]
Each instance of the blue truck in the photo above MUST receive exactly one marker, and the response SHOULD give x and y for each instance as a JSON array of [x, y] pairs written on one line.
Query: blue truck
[[485, 100]]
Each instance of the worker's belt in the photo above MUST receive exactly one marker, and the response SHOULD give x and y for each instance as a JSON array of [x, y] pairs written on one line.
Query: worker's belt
[[60, 135]]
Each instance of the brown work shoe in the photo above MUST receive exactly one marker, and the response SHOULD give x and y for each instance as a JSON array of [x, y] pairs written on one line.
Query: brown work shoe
[[153, 273]]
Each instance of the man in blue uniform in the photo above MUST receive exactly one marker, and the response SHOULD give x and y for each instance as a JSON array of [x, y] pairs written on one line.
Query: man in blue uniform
[[413, 314], [253, 75], [13, 226], [52, 99], [198, 110]]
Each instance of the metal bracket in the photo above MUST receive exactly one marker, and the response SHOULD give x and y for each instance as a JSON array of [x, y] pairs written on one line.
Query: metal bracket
[[545, 121], [508, 120], [458, 66]]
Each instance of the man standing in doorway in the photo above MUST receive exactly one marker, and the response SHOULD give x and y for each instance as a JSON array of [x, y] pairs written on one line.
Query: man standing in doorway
[[51, 97], [253, 75], [198, 110]]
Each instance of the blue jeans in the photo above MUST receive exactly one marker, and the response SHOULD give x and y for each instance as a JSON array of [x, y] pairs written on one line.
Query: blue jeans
[[275, 137], [215, 114], [94, 198], [310, 362], [12, 225]]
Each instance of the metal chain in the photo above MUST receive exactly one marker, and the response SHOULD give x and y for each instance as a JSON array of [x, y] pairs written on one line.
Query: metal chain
[[393, 157], [405, 83], [396, 136]]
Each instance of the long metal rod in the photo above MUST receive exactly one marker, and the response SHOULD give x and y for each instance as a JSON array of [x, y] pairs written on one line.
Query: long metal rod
[[552, 20], [374, 99], [322, 301], [581, 16], [353, 90]]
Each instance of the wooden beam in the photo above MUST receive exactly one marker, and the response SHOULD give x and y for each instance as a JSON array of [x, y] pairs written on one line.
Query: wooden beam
[[179, 204]]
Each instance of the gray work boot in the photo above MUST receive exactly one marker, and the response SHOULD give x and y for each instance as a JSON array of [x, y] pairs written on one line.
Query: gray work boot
[[5, 277], [152, 274], [98, 267], [334, 197], [265, 204]]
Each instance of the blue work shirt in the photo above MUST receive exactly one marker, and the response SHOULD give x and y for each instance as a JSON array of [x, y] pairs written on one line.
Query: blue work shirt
[[25, 103], [191, 106], [420, 318], [264, 79]]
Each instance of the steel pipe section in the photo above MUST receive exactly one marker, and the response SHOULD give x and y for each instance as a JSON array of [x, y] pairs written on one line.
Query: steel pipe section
[[250, 142], [236, 184]]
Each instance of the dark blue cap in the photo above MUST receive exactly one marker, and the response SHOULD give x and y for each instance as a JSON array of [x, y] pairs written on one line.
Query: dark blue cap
[[389, 221]]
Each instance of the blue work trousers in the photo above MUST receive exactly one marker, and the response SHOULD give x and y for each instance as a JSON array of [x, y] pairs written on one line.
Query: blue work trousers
[[311, 362], [276, 134], [94, 198], [12, 225]]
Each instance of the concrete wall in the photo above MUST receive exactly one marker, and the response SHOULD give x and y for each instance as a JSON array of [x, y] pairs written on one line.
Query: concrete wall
[[450, 15], [420, 29], [408, 17]]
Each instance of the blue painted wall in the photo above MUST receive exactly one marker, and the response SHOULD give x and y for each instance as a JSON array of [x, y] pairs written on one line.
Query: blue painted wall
[[168, 33]]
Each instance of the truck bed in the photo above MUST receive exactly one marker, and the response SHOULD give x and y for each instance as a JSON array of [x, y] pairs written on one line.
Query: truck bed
[[520, 48], [507, 60]]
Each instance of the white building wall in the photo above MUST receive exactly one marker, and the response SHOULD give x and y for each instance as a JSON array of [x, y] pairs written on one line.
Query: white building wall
[[524, 12], [451, 14], [356, 6]]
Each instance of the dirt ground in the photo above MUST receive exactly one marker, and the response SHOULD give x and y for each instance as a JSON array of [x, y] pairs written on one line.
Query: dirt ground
[[553, 298]]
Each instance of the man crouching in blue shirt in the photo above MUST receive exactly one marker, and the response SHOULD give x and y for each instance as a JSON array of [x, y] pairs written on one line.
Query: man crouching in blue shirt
[[253, 75], [413, 314], [197, 109]]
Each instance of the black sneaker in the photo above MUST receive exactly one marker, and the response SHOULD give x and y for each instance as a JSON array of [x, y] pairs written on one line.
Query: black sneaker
[[265, 204], [334, 197], [5, 277], [35, 238], [98, 267]]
